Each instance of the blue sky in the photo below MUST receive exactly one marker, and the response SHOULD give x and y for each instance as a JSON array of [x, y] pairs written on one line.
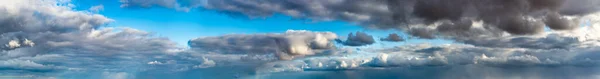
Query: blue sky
[[182, 26]]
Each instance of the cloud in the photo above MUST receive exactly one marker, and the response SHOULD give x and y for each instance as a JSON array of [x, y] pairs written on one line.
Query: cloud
[[552, 40], [360, 39], [286, 46], [425, 56], [45, 16], [428, 19], [97, 8], [51, 37], [516, 17], [116, 75], [174, 4], [206, 63], [523, 60], [23, 64], [47, 36], [155, 63], [548, 42], [393, 38]]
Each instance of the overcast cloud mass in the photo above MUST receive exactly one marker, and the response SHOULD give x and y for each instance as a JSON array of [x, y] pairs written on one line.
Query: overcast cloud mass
[[491, 39]]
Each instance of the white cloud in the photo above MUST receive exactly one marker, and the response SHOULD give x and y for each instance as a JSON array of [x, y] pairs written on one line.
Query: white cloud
[[155, 63], [206, 63], [452, 55], [13, 44]]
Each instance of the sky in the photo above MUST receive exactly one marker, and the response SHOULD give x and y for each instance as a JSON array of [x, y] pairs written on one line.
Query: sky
[[183, 26], [299, 39]]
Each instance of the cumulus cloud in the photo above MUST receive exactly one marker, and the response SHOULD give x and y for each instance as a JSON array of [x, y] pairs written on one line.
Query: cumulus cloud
[[14, 44], [206, 63], [358, 39], [393, 38], [288, 45], [48, 36]]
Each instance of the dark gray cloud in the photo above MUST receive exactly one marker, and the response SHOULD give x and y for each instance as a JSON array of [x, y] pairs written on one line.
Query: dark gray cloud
[[286, 46], [358, 39], [555, 21], [457, 19], [393, 38], [519, 17]]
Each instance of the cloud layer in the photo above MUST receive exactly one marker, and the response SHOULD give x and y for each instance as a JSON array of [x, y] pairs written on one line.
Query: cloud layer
[[286, 46], [45, 37], [462, 20], [518, 17]]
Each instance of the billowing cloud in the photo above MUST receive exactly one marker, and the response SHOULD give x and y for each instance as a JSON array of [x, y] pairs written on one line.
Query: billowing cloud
[[45, 37], [393, 38], [515, 17], [286, 46], [358, 39]]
